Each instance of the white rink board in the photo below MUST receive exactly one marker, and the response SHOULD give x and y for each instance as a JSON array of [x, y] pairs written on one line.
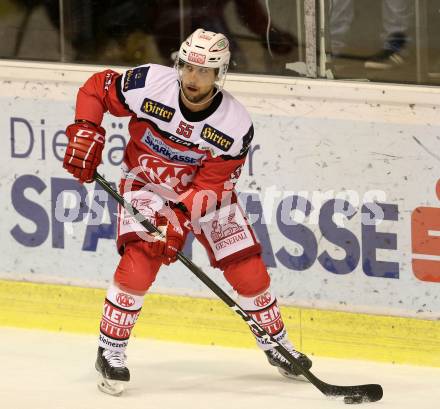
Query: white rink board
[[379, 142]]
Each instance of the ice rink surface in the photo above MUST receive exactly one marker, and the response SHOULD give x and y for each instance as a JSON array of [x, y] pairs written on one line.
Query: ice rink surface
[[45, 369]]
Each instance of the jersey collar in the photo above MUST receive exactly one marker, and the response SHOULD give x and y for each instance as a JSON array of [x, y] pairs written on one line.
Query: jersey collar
[[200, 115]]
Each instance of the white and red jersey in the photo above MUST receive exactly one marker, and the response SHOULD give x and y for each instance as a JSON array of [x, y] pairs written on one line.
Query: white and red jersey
[[185, 152], [190, 153]]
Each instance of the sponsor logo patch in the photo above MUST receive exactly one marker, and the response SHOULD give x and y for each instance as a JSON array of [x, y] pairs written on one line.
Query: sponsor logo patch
[[157, 110], [269, 319], [145, 206], [205, 36], [108, 80], [226, 232], [196, 58], [263, 299], [216, 138], [219, 45], [135, 78], [117, 323], [174, 155], [177, 140], [125, 300]]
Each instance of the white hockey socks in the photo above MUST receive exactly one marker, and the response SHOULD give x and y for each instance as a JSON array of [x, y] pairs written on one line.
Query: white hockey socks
[[121, 311], [263, 308]]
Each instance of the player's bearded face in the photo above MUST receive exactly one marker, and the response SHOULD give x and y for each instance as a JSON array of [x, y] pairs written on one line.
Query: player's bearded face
[[197, 82]]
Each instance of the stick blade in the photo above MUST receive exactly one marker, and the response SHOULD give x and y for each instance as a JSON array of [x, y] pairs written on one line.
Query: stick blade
[[369, 393]]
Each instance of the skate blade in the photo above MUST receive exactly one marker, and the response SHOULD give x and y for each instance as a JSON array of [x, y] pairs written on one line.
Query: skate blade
[[114, 388], [286, 374]]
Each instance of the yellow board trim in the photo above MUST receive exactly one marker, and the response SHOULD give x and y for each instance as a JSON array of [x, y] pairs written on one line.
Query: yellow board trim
[[211, 322]]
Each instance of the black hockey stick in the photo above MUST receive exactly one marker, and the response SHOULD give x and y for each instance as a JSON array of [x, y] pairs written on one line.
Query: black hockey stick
[[352, 394]]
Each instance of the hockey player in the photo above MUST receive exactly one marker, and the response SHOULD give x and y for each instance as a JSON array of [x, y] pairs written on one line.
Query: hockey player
[[188, 141]]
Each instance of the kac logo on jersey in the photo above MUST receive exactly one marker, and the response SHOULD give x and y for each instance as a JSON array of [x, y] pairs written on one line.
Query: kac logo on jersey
[[216, 138], [170, 179], [135, 78], [157, 110]]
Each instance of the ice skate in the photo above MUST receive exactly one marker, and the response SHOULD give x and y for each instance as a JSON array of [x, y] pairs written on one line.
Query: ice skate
[[115, 375], [285, 368]]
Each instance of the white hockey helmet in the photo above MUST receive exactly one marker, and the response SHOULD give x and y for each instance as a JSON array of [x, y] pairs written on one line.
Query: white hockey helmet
[[206, 49]]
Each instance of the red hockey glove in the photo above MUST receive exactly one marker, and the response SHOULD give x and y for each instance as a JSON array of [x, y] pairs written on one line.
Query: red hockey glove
[[84, 150], [174, 227]]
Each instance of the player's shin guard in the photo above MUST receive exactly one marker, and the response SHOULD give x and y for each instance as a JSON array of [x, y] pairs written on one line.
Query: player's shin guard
[[121, 311], [263, 308], [265, 311]]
